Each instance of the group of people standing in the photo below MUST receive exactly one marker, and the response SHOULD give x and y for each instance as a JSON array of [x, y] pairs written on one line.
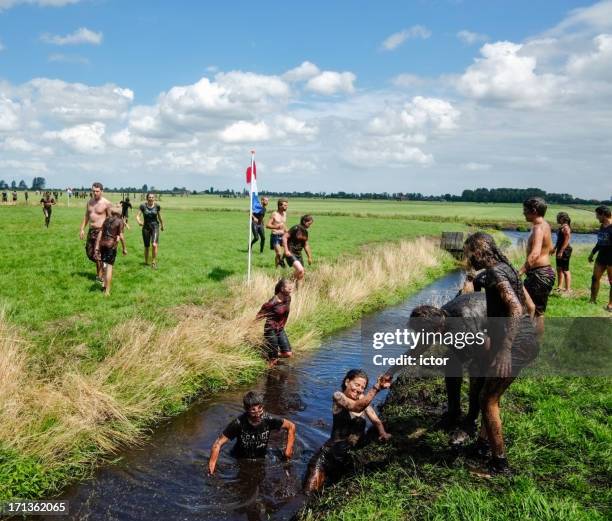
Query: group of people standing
[[106, 224]]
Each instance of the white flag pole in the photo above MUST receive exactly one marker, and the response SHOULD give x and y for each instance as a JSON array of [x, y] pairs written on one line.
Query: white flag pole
[[251, 214]]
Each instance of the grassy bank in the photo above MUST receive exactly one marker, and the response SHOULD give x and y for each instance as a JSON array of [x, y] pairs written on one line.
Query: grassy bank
[[558, 433], [61, 410]]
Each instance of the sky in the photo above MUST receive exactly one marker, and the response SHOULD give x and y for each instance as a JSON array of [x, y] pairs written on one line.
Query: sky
[[430, 96]]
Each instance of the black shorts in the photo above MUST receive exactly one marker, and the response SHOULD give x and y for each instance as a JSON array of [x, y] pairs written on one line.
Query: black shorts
[[47, 212], [292, 258], [275, 239], [539, 283], [276, 341], [108, 255], [150, 234], [563, 262], [604, 258], [90, 244]]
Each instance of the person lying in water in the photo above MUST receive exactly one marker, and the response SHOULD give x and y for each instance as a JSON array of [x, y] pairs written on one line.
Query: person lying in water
[[350, 407], [251, 431]]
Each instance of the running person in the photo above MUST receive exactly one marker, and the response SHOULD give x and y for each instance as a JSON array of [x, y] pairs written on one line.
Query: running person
[[96, 212], [106, 245], [151, 224], [278, 224], [603, 248], [251, 430], [563, 252], [350, 408], [294, 241], [540, 277], [276, 313], [512, 337], [257, 225], [126, 206], [47, 205]]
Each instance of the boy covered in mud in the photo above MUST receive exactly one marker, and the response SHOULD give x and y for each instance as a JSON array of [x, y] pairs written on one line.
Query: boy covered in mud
[[540, 276], [251, 430], [106, 245]]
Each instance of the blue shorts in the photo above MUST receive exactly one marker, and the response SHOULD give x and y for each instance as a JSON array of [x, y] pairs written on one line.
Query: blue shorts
[[275, 239]]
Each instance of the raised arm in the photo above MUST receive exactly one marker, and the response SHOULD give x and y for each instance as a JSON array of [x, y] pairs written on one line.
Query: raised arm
[[362, 403], [290, 428], [214, 453]]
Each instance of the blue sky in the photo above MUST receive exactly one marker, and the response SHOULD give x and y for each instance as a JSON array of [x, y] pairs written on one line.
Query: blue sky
[[426, 96]]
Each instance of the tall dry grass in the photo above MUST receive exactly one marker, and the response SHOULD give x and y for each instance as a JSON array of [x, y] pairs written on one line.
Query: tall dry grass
[[109, 406]]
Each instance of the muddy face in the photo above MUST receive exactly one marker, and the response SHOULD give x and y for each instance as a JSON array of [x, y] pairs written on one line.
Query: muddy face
[[255, 414], [355, 387]]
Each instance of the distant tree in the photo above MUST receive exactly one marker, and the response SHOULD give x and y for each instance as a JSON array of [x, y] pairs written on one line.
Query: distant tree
[[38, 183], [23, 185], [145, 188], [13, 184], [3, 184]]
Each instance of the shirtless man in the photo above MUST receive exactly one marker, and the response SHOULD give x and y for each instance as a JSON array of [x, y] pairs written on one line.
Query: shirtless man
[[47, 205], [97, 210], [540, 276], [278, 224]]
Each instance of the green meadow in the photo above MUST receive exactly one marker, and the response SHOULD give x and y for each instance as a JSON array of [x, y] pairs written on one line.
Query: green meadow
[[558, 428]]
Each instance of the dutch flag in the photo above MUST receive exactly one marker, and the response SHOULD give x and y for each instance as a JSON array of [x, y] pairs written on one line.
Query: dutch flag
[[251, 178]]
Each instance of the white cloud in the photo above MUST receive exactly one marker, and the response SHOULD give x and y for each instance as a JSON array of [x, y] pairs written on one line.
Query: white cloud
[[10, 114], [476, 167], [79, 37], [296, 167], [7, 4], [330, 82], [594, 64], [387, 152], [17, 144], [505, 75], [597, 16], [396, 39], [303, 72], [16, 164], [86, 138], [470, 38], [291, 125], [245, 132]]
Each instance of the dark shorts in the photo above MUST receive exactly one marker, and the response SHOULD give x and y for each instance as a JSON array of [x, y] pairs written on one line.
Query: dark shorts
[[90, 244], [276, 341], [604, 258], [539, 283], [108, 255], [563, 262], [47, 212], [275, 239], [293, 258], [150, 234]]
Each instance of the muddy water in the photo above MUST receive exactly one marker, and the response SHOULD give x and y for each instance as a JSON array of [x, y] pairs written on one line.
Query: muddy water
[[520, 238], [166, 480]]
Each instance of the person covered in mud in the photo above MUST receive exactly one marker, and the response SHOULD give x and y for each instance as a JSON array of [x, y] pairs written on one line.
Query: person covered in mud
[[294, 241], [563, 252], [276, 313], [512, 337], [466, 313], [350, 408], [603, 249], [107, 241], [540, 277], [47, 203], [251, 430], [278, 224]]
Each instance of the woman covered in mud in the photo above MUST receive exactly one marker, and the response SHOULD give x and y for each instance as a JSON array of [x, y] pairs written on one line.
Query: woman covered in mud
[[350, 407], [276, 313], [513, 341]]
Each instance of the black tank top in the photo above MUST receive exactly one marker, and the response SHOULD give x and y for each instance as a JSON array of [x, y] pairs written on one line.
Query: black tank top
[[560, 239], [348, 428]]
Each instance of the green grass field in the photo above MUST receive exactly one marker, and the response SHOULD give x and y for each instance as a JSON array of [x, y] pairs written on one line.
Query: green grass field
[[50, 294]]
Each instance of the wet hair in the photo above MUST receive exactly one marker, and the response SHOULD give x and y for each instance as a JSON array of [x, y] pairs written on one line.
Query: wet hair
[[484, 243], [115, 210], [281, 201], [429, 318], [352, 374], [150, 193], [97, 184], [306, 218], [280, 285], [563, 218], [251, 399], [535, 205], [603, 210]]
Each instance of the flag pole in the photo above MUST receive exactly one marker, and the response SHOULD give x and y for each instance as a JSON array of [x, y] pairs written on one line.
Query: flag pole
[[250, 215]]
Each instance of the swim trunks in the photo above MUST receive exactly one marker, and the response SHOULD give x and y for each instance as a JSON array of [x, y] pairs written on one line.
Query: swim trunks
[[275, 341], [603, 248], [108, 255], [276, 238], [150, 234], [539, 282], [90, 244], [294, 258]]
